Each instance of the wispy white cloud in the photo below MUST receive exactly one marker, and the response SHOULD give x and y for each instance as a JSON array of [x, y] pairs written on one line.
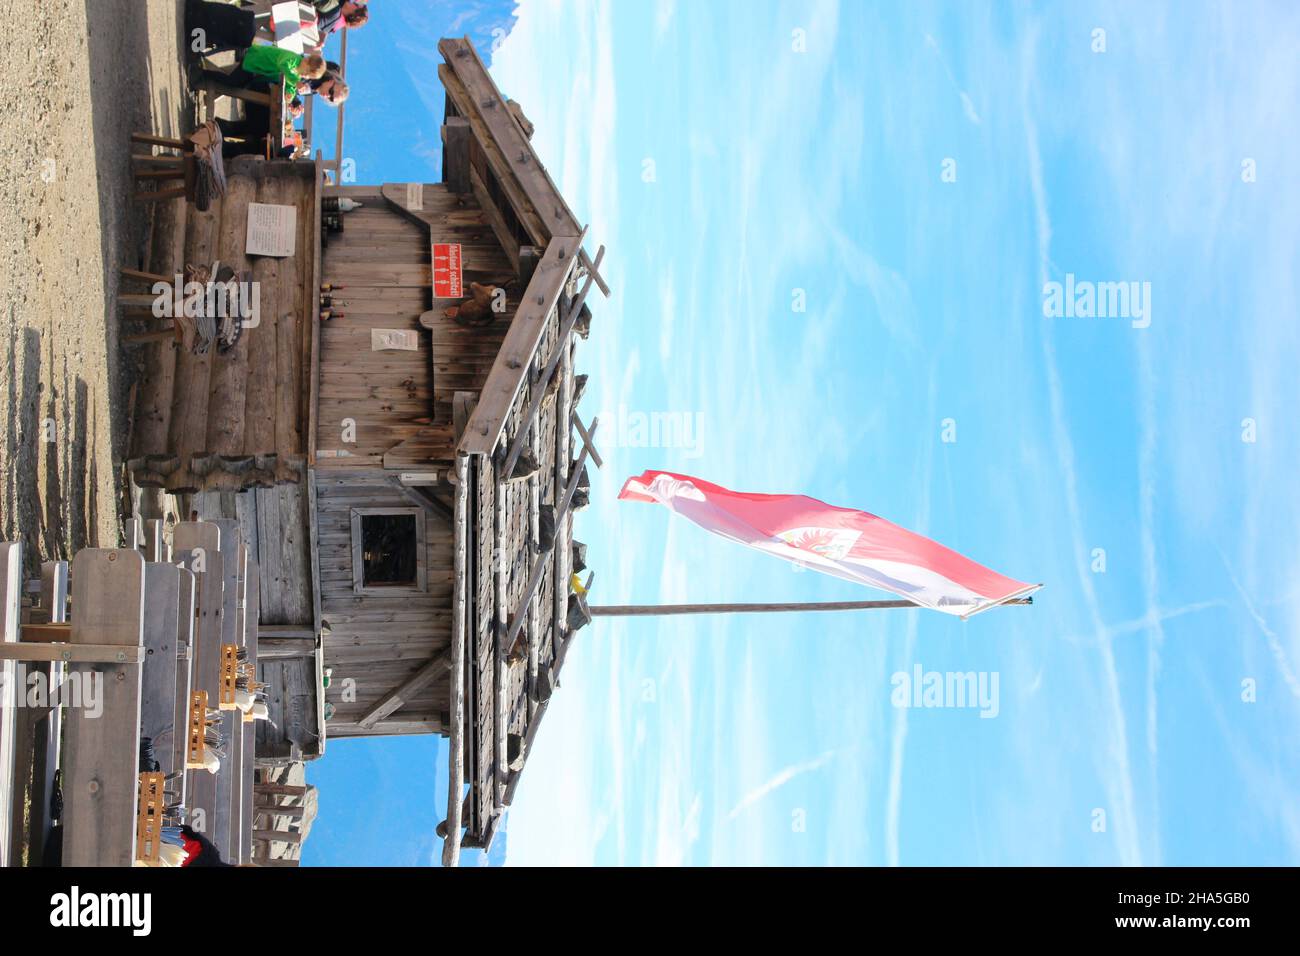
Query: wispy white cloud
[[776, 781]]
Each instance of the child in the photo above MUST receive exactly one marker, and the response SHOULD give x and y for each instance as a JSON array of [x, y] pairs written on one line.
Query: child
[[271, 63], [263, 65]]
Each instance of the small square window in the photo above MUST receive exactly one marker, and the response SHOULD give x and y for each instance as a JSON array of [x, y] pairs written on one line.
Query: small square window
[[388, 549]]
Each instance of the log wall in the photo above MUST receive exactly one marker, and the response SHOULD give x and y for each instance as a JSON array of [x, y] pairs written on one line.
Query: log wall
[[229, 421]]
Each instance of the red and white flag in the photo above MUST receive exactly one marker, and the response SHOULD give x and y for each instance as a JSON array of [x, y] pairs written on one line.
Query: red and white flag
[[849, 544]]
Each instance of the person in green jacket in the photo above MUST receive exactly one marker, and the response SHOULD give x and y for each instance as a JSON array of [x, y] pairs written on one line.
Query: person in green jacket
[[262, 66], [271, 63]]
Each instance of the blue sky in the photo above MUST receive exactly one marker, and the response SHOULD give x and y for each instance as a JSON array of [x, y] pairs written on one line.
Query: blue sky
[[801, 147]]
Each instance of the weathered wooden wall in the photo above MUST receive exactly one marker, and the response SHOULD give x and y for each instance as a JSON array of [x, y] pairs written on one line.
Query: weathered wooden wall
[[199, 415], [400, 400], [379, 640], [274, 523]]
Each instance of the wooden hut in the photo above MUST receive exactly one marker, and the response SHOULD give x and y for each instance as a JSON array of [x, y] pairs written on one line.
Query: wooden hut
[[405, 479]]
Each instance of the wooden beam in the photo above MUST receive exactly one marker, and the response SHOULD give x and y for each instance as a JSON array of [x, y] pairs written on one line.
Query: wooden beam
[[561, 346], [524, 210], [70, 653], [535, 723], [515, 358], [102, 753], [591, 270], [48, 729], [162, 610], [456, 748], [402, 693], [281, 789], [252, 641], [11, 584], [510, 244], [487, 103], [455, 153], [423, 497], [586, 439], [192, 538], [291, 813]]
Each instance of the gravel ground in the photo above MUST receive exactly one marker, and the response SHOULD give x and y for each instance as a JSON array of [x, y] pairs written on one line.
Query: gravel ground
[[76, 78]]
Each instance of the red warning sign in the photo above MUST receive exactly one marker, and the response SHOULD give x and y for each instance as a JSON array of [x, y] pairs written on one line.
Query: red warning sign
[[446, 271]]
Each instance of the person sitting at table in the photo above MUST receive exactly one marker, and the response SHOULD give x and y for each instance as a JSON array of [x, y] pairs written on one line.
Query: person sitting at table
[[331, 69], [219, 27], [247, 136], [263, 65], [334, 15], [333, 90]]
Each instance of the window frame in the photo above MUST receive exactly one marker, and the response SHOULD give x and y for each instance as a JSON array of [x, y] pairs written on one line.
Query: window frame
[[421, 583]]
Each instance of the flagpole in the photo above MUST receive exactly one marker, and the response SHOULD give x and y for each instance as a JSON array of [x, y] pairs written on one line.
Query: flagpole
[[655, 610]]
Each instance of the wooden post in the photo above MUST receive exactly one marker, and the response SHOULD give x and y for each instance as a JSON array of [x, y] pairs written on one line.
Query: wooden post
[[238, 759], [11, 582], [280, 789], [197, 546], [456, 739], [184, 676], [155, 548], [252, 612], [48, 734], [223, 835], [102, 753], [162, 584], [455, 153], [659, 610]]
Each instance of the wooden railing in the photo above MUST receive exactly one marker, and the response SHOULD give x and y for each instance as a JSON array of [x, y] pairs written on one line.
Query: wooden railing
[[146, 629]]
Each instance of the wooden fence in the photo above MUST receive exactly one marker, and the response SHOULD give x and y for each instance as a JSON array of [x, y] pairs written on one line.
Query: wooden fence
[[146, 634]]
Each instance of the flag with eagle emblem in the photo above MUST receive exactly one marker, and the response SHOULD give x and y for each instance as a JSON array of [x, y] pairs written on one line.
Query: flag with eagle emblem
[[844, 542]]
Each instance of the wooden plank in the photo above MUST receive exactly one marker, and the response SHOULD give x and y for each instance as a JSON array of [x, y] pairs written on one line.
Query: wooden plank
[[188, 424], [313, 298], [223, 834], [48, 737], [197, 546], [154, 401], [455, 153], [529, 421], [235, 747], [259, 397], [229, 378], [162, 595], [248, 729], [487, 156], [402, 693], [483, 101], [101, 779], [155, 544], [73, 653], [11, 583], [280, 789], [456, 742], [505, 236], [562, 557], [514, 361], [293, 311], [184, 674]]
